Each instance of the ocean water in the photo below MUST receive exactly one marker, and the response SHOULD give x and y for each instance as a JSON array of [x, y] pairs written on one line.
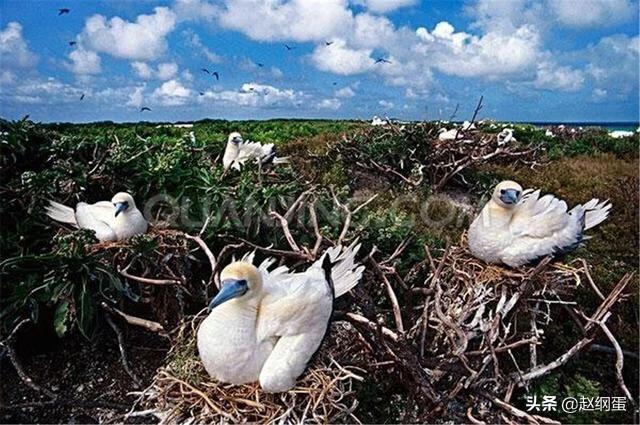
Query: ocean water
[[610, 126]]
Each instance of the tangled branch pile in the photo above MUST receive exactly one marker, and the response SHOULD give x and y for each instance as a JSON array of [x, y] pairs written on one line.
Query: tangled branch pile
[[417, 153]]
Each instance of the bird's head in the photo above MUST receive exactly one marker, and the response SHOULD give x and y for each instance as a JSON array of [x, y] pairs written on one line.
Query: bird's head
[[507, 194], [123, 202], [235, 138], [239, 280]]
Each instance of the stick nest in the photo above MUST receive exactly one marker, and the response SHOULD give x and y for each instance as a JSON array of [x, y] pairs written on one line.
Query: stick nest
[[182, 391]]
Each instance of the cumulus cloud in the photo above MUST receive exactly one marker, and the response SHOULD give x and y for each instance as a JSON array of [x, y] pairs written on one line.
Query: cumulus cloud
[[563, 78], [297, 20], [493, 54], [39, 91], [383, 6], [84, 62], [172, 93], [344, 92], [343, 60], [333, 104], [386, 104], [256, 95], [142, 40], [164, 71], [194, 41], [613, 63], [14, 51], [593, 13], [136, 98]]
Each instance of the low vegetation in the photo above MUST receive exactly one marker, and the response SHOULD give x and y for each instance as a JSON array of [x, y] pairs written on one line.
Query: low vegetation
[[410, 190]]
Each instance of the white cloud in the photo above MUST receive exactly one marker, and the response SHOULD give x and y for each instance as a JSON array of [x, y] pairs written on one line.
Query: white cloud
[[333, 104], [84, 62], [383, 6], [144, 39], [164, 71], [194, 40], [593, 13], [172, 93], [143, 70], [194, 10], [491, 55], [386, 104], [552, 77], [38, 91], [256, 95], [613, 64], [14, 51], [296, 20], [136, 98], [344, 92], [340, 59]]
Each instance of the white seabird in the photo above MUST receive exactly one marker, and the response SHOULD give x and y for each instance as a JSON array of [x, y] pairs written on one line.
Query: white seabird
[[113, 220], [516, 227], [506, 136], [238, 152], [265, 325]]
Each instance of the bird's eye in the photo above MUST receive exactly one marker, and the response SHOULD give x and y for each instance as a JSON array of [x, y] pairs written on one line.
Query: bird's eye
[[517, 193], [502, 191]]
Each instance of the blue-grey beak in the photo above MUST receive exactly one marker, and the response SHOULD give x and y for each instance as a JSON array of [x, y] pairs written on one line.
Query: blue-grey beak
[[231, 288], [509, 196], [121, 206]]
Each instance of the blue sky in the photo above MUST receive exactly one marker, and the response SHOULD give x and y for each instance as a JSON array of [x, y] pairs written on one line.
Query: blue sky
[[546, 60]]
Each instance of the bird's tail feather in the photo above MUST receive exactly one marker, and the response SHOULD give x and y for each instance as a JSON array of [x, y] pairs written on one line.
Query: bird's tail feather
[[595, 212], [282, 160], [345, 272], [61, 213]]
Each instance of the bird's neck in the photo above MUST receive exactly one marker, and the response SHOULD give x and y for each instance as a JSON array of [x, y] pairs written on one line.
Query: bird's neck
[[496, 215]]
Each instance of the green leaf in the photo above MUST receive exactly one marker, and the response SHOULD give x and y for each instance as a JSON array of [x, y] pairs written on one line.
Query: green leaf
[[62, 318], [85, 311]]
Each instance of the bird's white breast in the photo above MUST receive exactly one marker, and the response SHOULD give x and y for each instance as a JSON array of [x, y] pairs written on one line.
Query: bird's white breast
[[228, 345]]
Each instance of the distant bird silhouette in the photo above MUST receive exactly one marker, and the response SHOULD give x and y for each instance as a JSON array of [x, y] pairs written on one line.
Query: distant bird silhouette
[[82, 97], [251, 88], [335, 83], [215, 74], [201, 93], [288, 47], [63, 11], [72, 43], [328, 43], [144, 108], [260, 64], [382, 60], [206, 70]]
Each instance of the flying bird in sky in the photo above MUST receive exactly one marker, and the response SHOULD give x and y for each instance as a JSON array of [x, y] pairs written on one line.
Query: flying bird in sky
[[201, 93], [288, 47], [82, 97], [517, 227], [382, 60], [72, 43], [328, 43], [335, 83], [215, 74], [144, 108], [205, 70], [260, 65], [63, 11]]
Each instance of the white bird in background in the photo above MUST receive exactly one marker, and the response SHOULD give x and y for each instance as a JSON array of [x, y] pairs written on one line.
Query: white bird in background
[[238, 152], [506, 136], [517, 227], [265, 325], [112, 221]]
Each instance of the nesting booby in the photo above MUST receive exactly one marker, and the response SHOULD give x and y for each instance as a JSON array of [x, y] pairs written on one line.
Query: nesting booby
[[516, 227], [266, 325], [506, 136], [113, 220], [238, 152]]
